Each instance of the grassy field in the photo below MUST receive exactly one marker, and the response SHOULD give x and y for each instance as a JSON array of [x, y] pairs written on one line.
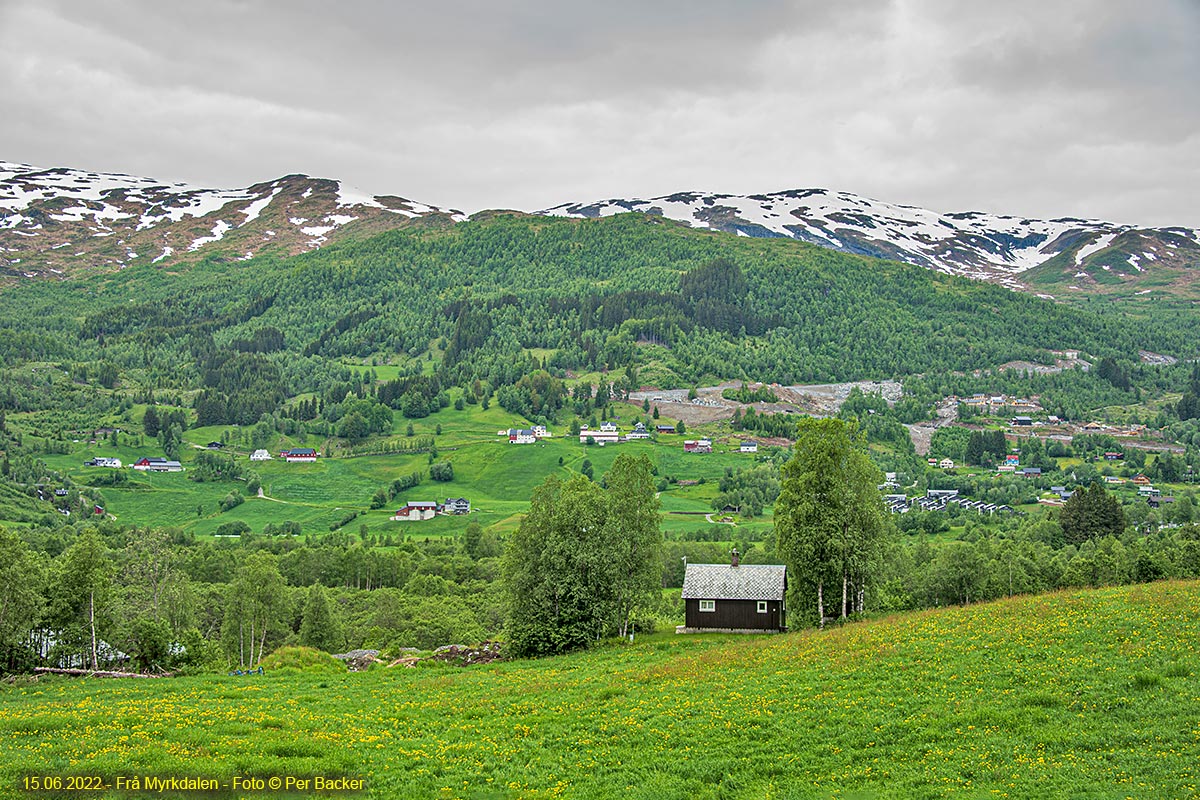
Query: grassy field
[[1079, 694]]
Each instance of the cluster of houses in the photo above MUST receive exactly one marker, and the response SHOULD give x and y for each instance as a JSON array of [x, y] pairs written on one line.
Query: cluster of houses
[[990, 403], [525, 435], [101, 461], [938, 500], [417, 510]]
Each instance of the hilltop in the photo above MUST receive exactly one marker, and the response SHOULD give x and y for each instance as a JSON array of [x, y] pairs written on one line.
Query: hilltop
[[1082, 693]]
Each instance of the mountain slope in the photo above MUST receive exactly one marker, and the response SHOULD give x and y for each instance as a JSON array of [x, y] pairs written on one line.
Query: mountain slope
[[62, 221], [1079, 254]]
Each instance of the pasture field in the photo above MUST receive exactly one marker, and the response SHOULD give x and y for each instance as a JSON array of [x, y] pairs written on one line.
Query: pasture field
[[1072, 694]]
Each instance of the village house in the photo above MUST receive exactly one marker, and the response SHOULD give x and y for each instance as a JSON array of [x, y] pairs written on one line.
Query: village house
[[521, 436], [302, 454], [1022, 422], [1032, 472], [734, 597], [540, 432], [1141, 480], [639, 432], [101, 461], [260, 455], [416, 510], [157, 464], [697, 446], [1112, 456], [748, 447], [946, 463], [664, 428], [215, 445], [456, 505]]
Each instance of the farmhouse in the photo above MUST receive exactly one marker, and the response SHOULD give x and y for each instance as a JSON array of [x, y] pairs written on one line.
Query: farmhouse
[[665, 428], [456, 505], [697, 446], [734, 598], [157, 465], [946, 463], [300, 454], [416, 510], [260, 455], [101, 461], [215, 445], [540, 432], [521, 437], [601, 436], [639, 432], [748, 447]]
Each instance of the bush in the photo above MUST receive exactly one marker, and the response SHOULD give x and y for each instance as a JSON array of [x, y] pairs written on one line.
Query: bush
[[442, 471], [231, 500], [302, 659]]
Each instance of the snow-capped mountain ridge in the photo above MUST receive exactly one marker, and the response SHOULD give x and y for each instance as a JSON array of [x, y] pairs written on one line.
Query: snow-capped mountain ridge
[[58, 222], [54, 221], [972, 243]]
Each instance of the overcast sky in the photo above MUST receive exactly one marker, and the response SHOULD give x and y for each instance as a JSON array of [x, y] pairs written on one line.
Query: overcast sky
[[1028, 107]]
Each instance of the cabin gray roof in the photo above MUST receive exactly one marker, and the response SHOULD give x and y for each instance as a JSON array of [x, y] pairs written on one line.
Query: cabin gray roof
[[724, 582]]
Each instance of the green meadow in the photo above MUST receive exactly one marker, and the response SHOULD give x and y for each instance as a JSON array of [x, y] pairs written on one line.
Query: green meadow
[[497, 477], [1072, 694]]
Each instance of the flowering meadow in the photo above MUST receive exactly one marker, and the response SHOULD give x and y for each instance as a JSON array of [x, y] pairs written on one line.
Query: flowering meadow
[[1083, 694]]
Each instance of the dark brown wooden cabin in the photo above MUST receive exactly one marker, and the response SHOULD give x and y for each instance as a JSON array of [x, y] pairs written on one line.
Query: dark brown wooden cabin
[[734, 598]]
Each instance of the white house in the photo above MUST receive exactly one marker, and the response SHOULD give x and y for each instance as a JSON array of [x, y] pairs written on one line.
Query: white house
[[946, 463], [608, 427], [260, 455], [748, 447], [101, 461], [540, 432], [639, 432]]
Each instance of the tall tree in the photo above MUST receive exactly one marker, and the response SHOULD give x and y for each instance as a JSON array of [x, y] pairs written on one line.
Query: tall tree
[[22, 580], [577, 567], [1091, 513], [83, 588], [254, 604], [319, 628], [829, 518], [635, 535]]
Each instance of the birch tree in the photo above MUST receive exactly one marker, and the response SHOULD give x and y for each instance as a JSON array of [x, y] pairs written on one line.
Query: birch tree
[[255, 603], [829, 518], [83, 589]]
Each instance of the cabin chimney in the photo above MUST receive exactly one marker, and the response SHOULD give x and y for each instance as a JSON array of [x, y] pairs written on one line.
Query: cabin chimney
[[734, 555]]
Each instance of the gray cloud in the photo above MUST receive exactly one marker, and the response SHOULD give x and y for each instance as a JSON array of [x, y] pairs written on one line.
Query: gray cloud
[[1027, 107]]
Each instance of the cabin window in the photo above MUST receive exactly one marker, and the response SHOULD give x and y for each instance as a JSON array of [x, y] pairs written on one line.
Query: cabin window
[[762, 606], [708, 605]]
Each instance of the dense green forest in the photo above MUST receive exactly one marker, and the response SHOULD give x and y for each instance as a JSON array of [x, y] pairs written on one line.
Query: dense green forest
[[401, 354]]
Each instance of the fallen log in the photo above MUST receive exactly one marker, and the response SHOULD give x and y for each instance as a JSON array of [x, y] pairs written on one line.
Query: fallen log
[[91, 673]]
